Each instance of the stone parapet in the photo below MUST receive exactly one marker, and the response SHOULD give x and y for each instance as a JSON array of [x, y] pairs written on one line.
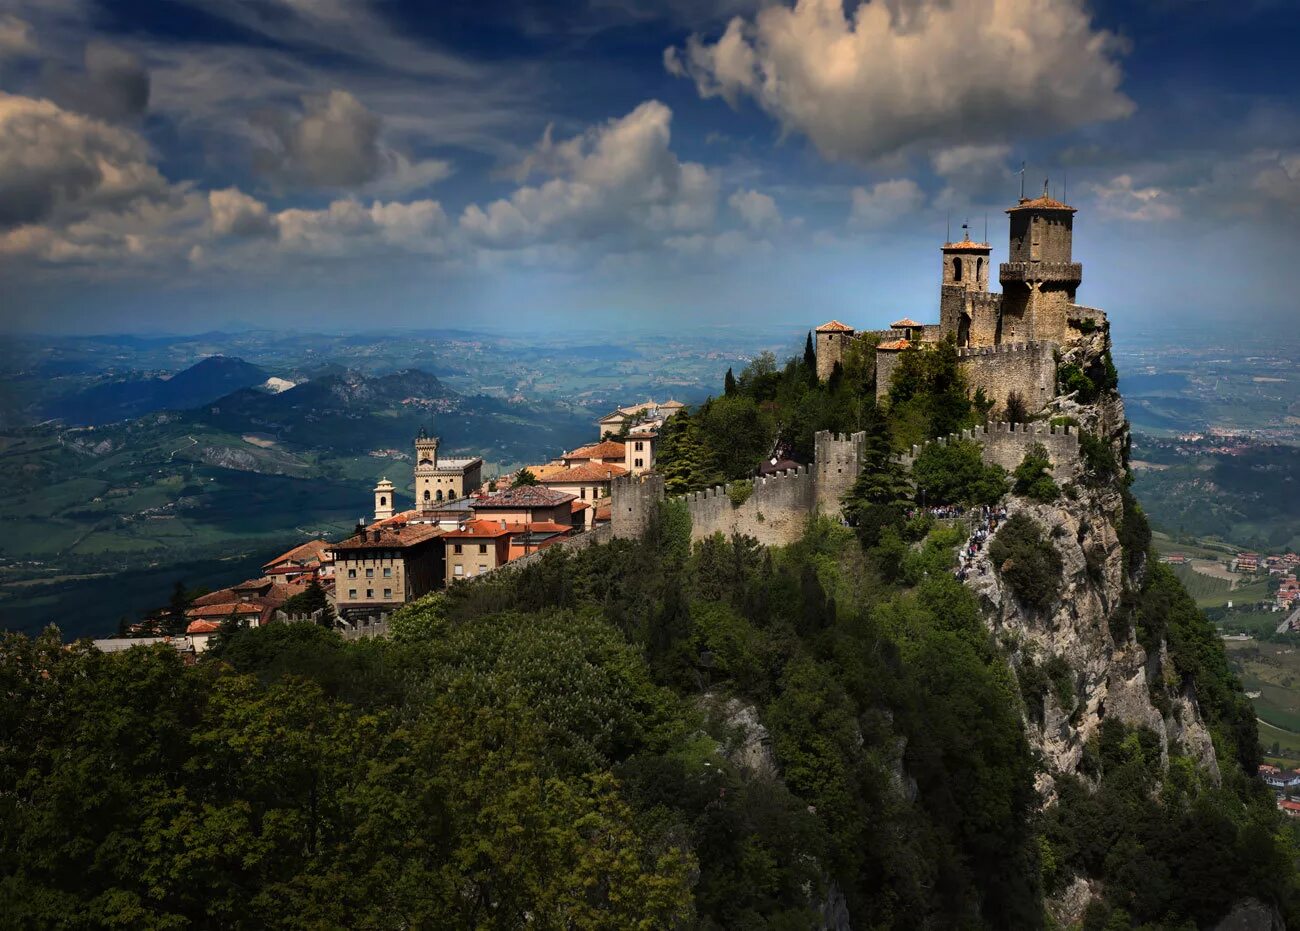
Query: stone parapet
[[1065, 272], [1005, 444]]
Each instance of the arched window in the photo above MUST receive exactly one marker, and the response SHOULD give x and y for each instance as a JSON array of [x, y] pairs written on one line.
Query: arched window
[[439, 494], [426, 494], [956, 269], [383, 501], [979, 269]]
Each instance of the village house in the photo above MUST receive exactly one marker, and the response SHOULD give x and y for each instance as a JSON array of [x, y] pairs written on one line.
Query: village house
[[483, 545], [312, 559], [1247, 563], [383, 567], [637, 418]]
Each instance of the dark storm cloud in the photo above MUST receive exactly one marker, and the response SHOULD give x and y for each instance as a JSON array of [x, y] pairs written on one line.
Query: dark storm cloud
[[113, 84]]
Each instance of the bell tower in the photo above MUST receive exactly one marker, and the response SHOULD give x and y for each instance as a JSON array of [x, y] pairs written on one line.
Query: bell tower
[[965, 273], [426, 464], [383, 500]]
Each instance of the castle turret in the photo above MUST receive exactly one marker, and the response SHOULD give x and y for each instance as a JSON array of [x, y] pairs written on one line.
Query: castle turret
[[1040, 281], [966, 273], [383, 500], [832, 337]]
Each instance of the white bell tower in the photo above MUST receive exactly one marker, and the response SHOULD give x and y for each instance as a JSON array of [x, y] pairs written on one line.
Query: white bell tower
[[383, 500]]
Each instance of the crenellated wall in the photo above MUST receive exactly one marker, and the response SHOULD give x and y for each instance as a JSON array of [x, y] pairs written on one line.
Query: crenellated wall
[[776, 510], [1005, 444], [1027, 368]]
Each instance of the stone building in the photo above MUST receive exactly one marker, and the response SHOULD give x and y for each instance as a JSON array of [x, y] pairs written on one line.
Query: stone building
[[438, 480], [1006, 342], [382, 567]]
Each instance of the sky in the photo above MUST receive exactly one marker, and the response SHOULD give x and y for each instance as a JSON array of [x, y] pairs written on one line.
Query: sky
[[172, 166]]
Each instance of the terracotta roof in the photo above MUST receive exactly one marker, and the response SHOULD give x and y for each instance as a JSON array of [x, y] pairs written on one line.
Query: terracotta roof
[[604, 512], [312, 549], [252, 591], [480, 527], [967, 244], [541, 471], [834, 326], [389, 536], [225, 610], [576, 506], [539, 526], [895, 345], [606, 449], [525, 496], [202, 627], [906, 323], [588, 472], [1041, 203]]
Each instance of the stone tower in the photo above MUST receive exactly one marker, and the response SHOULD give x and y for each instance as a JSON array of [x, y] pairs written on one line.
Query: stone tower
[[426, 465], [966, 274], [1040, 280], [383, 500], [832, 337]]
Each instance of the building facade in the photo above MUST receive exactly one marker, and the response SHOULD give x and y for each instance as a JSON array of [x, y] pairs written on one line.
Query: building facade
[[383, 567]]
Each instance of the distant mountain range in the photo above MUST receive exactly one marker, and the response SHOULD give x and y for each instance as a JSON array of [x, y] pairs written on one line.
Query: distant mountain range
[[201, 383]]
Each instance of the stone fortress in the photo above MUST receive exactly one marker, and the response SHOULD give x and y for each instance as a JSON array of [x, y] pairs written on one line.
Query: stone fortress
[[1006, 343]]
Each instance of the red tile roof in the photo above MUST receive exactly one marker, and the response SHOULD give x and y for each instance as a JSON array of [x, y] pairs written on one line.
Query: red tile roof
[[240, 608], [967, 246], [907, 323], [588, 472], [834, 326], [604, 512], [895, 345], [312, 550], [1041, 203], [389, 536], [576, 506], [202, 627], [525, 496], [479, 528], [606, 449]]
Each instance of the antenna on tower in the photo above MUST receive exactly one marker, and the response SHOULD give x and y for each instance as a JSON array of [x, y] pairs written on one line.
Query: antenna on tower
[[1045, 182], [1065, 184], [1022, 180], [986, 226], [965, 231], [948, 231]]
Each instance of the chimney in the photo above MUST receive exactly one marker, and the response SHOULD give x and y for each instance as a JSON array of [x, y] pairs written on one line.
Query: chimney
[[503, 523]]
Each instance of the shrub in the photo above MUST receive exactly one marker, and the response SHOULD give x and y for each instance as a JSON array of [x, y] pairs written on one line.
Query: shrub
[[955, 473], [739, 491], [1061, 676], [1098, 459], [1027, 562], [1032, 477], [1071, 378]]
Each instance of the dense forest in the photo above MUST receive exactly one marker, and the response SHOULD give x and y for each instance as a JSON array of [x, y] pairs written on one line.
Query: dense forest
[[647, 734]]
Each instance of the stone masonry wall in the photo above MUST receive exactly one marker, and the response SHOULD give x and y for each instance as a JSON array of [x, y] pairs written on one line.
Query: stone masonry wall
[[1027, 368], [1005, 444], [774, 514]]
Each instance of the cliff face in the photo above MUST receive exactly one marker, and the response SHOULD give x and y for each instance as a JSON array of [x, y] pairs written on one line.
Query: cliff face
[[1112, 673]]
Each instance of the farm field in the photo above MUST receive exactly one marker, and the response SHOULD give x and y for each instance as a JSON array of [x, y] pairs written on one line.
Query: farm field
[[1273, 670], [1215, 591]]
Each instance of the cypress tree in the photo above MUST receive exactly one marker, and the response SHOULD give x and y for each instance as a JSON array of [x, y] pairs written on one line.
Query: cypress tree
[[729, 384], [810, 356]]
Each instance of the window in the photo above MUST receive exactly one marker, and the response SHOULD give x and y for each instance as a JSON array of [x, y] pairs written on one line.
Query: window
[[352, 594], [370, 573], [382, 500], [979, 268], [388, 572], [583, 491], [459, 570], [388, 594], [426, 494], [456, 548], [352, 573], [370, 593], [639, 446], [439, 494], [482, 547], [481, 568], [956, 269], [639, 463]]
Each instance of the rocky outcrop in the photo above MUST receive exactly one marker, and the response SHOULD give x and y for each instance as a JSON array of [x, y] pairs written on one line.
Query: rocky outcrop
[[1251, 915]]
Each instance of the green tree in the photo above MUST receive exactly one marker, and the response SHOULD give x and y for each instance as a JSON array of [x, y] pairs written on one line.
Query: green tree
[[729, 384], [525, 478], [955, 473], [1033, 479]]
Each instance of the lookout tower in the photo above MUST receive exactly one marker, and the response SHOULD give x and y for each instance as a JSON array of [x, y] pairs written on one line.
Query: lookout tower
[[832, 337], [971, 320], [1040, 281], [426, 468], [383, 500]]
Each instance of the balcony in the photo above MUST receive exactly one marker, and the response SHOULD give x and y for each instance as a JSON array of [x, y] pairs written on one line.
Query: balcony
[[1041, 271]]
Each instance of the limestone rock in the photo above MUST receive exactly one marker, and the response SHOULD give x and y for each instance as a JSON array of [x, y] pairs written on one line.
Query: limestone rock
[[1251, 915]]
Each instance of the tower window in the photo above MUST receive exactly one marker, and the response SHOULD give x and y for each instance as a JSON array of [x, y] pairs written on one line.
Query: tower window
[[956, 269], [382, 501], [979, 269]]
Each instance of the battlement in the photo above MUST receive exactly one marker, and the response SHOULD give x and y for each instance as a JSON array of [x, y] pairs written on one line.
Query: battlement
[[1005, 444], [1065, 272], [1006, 349], [984, 299]]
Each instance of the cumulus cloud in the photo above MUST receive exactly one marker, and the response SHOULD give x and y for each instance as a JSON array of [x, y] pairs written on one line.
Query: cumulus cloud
[[756, 209], [1119, 198], [16, 39], [113, 83], [899, 74], [884, 203], [347, 225], [336, 142], [235, 213], [620, 178], [56, 164]]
